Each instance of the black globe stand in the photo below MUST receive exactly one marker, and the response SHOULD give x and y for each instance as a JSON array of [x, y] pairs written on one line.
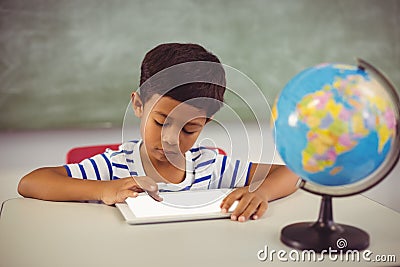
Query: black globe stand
[[324, 234]]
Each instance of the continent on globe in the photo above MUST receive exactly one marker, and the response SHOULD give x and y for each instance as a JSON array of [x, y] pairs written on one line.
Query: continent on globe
[[336, 127]]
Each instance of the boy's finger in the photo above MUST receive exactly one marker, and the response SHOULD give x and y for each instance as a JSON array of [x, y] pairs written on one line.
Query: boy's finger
[[250, 209], [130, 184], [125, 194], [155, 196], [152, 190], [229, 200], [135, 188], [148, 185], [132, 193], [241, 207], [261, 210], [236, 194]]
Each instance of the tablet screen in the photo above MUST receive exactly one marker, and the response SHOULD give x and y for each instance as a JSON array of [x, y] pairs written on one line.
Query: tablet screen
[[179, 203]]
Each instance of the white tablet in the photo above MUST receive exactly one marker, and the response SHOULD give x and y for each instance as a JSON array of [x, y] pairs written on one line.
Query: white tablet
[[175, 207]]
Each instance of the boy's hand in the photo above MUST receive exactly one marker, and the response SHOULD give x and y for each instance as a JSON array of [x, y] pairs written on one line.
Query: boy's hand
[[251, 204], [116, 191]]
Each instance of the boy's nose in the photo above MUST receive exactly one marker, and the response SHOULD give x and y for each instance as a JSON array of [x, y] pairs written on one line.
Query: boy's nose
[[170, 136]]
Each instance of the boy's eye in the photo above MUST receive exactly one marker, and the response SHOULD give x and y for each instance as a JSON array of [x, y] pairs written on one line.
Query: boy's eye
[[191, 131], [166, 124], [159, 123], [188, 132]]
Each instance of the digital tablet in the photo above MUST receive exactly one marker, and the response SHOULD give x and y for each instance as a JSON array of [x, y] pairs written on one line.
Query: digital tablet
[[176, 207]]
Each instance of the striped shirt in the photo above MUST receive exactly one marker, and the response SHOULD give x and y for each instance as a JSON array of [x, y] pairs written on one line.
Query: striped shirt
[[205, 168]]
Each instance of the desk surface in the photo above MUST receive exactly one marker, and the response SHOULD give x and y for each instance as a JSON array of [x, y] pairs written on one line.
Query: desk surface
[[41, 233]]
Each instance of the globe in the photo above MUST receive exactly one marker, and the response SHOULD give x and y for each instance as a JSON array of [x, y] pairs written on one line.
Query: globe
[[337, 127], [334, 124]]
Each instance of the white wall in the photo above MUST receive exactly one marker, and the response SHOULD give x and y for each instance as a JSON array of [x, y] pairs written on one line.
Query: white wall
[[21, 152]]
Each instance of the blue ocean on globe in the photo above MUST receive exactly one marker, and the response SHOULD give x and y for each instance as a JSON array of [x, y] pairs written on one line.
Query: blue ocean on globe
[[334, 124]]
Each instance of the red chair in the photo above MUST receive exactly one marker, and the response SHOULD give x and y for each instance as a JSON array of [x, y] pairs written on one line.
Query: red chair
[[77, 154], [221, 151]]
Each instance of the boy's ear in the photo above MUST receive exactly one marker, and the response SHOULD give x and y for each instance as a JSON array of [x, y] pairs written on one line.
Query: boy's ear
[[137, 104], [209, 119]]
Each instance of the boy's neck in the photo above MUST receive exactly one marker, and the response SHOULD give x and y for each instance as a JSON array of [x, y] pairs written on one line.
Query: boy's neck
[[162, 171]]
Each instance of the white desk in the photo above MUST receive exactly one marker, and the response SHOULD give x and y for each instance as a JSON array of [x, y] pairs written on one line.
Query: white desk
[[41, 233]]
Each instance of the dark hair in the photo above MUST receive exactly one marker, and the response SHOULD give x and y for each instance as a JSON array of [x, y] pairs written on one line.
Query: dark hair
[[157, 76]]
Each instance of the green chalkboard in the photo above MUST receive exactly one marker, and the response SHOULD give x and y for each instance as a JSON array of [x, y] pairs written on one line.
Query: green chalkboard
[[73, 63]]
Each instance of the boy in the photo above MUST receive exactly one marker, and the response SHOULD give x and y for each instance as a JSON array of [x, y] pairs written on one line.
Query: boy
[[181, 88]]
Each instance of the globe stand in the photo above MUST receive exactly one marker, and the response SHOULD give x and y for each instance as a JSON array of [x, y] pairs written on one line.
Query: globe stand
[[324, 234]]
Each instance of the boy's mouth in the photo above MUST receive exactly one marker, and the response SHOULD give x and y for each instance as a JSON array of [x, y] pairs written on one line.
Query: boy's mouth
[[170, 152], [167, 152]]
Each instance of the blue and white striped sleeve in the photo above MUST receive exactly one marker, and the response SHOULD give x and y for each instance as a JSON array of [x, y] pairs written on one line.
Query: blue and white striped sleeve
[[231, 173], [97, 167]]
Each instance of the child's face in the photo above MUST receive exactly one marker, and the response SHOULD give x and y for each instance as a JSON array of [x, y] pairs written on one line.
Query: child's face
[[168, 127]]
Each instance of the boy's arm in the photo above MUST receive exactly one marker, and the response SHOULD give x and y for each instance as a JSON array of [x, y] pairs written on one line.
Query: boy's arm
[[269, 182], [53, 183], [272, 181]]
